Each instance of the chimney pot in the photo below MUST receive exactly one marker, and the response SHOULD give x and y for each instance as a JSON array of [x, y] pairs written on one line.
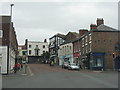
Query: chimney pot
[[100, 21]]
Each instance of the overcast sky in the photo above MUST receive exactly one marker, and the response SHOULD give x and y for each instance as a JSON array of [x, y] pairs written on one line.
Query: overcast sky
[[36, 21]]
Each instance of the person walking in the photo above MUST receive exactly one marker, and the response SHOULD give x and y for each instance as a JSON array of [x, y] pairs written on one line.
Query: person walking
[[15, 68], [18, 66]]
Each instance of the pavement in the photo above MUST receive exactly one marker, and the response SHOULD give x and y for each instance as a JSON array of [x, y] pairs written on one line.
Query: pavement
[[25, 71]]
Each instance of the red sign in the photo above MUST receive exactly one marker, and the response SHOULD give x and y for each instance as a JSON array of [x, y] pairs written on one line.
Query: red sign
[[76, 55]]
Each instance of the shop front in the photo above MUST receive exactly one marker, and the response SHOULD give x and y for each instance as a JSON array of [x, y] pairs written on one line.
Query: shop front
[[84, 61], [96, 60], [61, 60], [68, 58]]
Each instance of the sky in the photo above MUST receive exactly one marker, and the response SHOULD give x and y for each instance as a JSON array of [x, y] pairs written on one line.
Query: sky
[[37, 21]]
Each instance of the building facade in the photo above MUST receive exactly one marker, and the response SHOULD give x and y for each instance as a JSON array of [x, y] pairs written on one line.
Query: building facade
[[35, 50], [54, 43], [8, 44], [65, 53], [96, 47]]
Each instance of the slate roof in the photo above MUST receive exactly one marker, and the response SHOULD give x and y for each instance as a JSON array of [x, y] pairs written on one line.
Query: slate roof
[[74, 33], [103, 27], [61, 35]]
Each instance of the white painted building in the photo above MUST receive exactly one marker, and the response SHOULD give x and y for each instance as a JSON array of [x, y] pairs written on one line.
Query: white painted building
[[65, 53], [35, 48]]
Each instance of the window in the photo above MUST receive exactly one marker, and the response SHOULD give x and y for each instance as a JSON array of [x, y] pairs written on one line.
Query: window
[[1, 33], [83, 50], [90, 42], [82, 42], [86, 39], [90, 37], [29, 51], [86, 49], [43, 46], [30, 46], [70, 47], [90, 47], [43, 51]]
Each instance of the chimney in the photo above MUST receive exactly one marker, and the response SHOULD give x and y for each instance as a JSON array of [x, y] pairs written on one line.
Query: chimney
[[26, 43], [45, 40], [93, 27], [82, 31], [99, 21]]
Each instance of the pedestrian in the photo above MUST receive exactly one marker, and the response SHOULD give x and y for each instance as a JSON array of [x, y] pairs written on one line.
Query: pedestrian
[[46, 61], [15, 68], [18, 66], [21, 66], [52, 63]]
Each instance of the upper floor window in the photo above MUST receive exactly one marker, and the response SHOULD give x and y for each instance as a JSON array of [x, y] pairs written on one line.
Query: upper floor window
[[90, 37], [1, 33], [86, 39], [70, 47], [43, 46], [29, 51], [30, 46], [82, 42]]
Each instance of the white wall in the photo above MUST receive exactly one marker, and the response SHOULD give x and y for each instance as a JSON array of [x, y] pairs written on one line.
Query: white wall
[[11, 60], [33, 46], [64, 51], [3, 58]]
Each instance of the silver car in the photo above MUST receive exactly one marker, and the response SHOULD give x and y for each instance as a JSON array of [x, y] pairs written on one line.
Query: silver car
[[65, 65], [73, 66]]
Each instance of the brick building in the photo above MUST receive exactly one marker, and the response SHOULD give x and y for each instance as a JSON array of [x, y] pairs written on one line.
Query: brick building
[[8, 43], [96, 47]]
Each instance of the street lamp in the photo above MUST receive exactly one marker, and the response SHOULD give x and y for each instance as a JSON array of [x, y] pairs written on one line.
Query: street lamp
[[10, 35]]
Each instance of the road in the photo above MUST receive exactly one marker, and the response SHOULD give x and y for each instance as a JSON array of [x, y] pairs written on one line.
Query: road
[[45, 76]]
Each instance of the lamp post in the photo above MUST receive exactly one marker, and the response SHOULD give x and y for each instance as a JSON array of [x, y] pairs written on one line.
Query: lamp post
[[10, 36]]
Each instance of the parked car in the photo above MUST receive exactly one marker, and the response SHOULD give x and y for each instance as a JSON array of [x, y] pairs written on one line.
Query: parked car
[[65, 65], [73, 66]]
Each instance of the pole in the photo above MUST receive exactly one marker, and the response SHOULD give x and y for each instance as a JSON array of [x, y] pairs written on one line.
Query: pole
[[10, 35]]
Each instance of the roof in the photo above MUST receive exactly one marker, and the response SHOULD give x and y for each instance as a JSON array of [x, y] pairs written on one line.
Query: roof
[[59, 35], [103, 27], [74, 33], [5, 19]]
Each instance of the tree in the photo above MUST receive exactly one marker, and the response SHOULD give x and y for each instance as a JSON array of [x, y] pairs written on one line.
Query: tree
[[46, 55]]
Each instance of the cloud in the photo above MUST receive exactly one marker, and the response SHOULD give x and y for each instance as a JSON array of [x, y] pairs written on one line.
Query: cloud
[[40, 20]]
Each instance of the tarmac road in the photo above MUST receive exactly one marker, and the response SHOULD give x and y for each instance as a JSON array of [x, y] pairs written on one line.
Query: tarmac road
[[45, 76]]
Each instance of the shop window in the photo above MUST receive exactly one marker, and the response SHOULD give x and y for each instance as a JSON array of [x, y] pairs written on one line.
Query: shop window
[[97, 61], [43, 51]]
